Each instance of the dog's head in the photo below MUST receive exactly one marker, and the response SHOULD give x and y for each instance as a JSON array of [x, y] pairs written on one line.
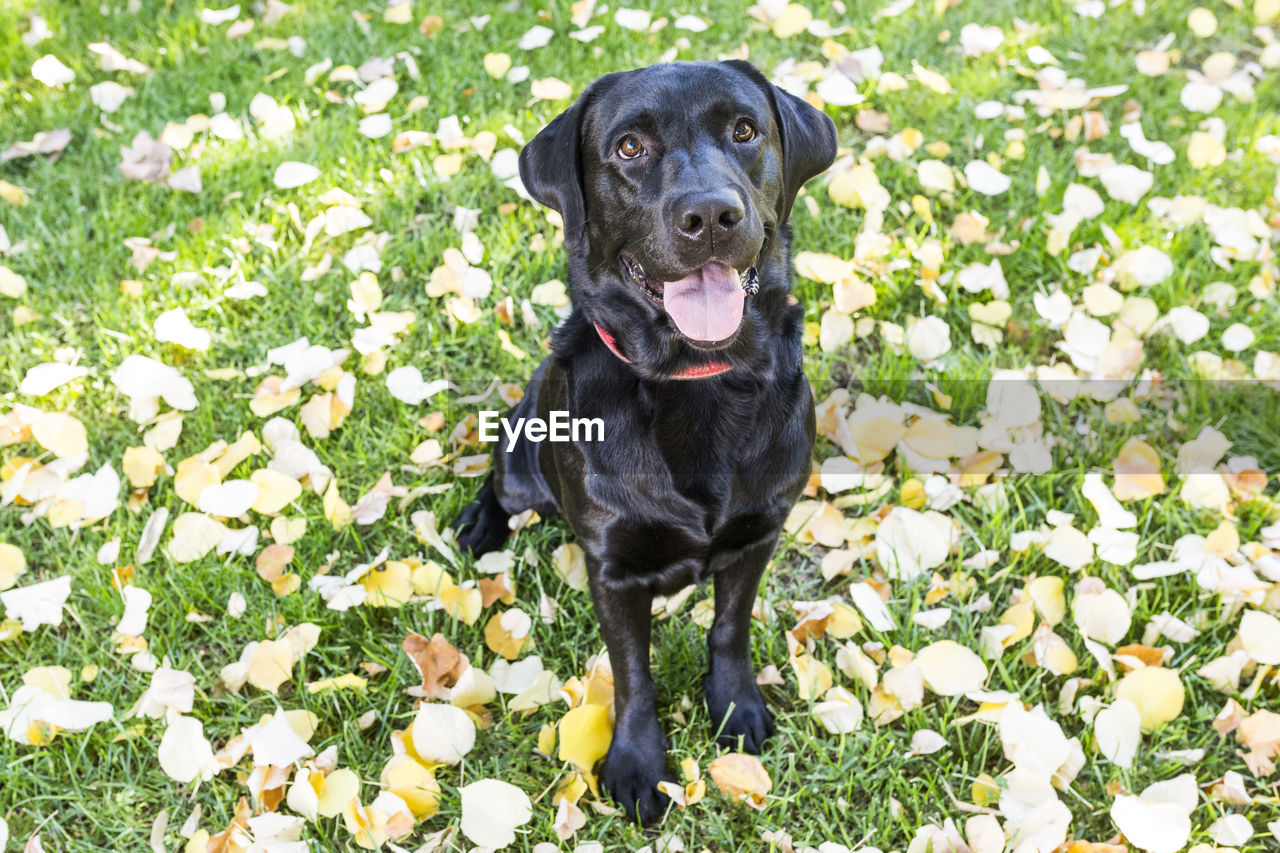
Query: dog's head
[[671, 181]]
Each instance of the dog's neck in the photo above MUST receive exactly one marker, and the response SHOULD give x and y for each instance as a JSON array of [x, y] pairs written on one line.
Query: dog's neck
[[700, 371]]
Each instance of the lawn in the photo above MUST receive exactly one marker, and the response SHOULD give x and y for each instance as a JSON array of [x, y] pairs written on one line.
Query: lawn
[[1045, 348]]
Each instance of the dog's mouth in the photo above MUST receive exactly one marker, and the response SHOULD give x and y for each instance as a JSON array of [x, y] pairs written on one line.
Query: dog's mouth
[[706, 305]]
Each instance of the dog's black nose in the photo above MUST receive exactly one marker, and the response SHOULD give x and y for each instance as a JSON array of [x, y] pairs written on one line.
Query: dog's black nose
[[714, 213]]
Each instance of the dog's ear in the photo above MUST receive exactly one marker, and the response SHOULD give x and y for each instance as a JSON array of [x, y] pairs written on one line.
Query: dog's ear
[[808, 135], [551, 168]]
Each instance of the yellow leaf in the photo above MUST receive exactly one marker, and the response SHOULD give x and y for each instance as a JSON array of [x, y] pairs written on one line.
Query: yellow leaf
[[585, 734], [823, 267], [63, 511], [985, 791], [337, 790], [142, 465], [1260, 636], [741, 778], [1158, 693], [844, 621], [275, 491], [570, 563], [317, 415], [400, 13], [496, 65], [194, 535], [447, 165], [350, 681], [431, 579], [1205, 150], [54, 680], [813, 678], [546, 739], [462, 604], [11, 284], [15, 196], [245, 446], [573, 788], [950, 669], [164, 432], [508, 633], [388, 585], [367, 825], [1023, 618], [271, 665], [272, 561], [287, 530], [1138, 471], [597, 687], [413, 783], [1202, 22], [13, 563], [792, 21], [194, 475], [61, 434], [931, 439], [1223, 541], [551, 89], [858, 188], [269, 399], [852, 294], [286, 584], [931, 79], [1046, 593], [366, 295], [504, 340], [1052, 652], [875, 438], [336, 510], [817, 521]]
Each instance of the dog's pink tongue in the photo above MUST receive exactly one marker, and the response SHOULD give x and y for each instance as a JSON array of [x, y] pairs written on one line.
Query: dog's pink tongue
[[706, 305]]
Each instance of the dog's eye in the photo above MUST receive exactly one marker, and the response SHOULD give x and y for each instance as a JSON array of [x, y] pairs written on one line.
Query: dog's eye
[[630, 148], [744, 131]]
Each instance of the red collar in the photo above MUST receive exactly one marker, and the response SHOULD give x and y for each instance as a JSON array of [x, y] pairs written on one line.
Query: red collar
[[701, 371]]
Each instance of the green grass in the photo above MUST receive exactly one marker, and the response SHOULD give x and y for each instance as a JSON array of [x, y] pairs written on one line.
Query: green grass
[[103, 790]]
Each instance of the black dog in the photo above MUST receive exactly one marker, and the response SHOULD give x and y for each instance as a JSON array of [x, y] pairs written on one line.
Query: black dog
[[675, 183]]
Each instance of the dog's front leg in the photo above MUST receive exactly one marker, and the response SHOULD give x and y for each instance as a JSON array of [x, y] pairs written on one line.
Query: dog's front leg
[[733, 698], [637, 759]]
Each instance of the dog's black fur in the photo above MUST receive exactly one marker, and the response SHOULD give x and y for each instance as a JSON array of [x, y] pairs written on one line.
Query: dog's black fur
[[695, 476]]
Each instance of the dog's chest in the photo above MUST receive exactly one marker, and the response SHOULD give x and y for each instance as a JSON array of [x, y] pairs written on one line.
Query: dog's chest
[[731, 454]]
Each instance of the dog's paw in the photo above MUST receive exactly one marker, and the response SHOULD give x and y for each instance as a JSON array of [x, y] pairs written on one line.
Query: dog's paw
[[482, 527], [631, 773], [738, 712]]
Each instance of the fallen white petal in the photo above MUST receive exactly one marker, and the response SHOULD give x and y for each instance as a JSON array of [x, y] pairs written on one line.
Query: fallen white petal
[[50, 71], [229, 499], [137, 601], [985, 178], [276, 743], [491, 811], [1118, 732], [184, 752], [173, 326], [291, 174], [37, 604], [43, 378]]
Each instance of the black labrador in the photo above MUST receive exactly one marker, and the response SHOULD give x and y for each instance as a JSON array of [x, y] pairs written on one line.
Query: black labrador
[[675, 183]]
